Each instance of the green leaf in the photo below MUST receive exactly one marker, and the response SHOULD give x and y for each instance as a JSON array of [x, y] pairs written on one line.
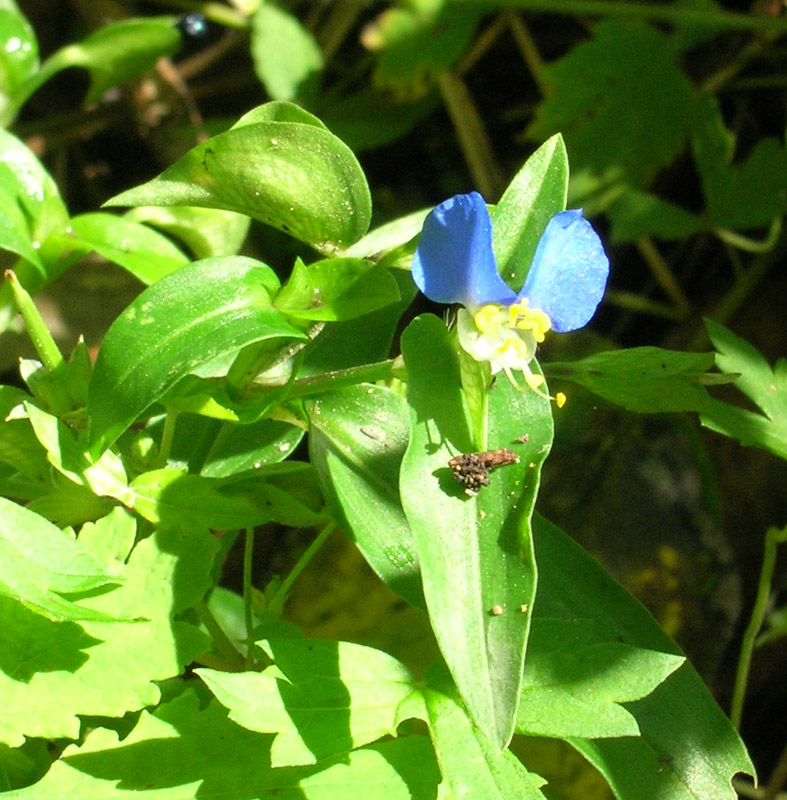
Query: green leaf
[[642, 379], [368, 118], [114, 54], [635, 214], [357, 437], [761, 384], [205, 310], [172, 499], [620, 100], [111, 537], [575, 688], [687, 748], [475, 553], [238, 448], [183, 751], [745, 195], [30, 210], [105, 476], [416, 47], [336, 289], [15, 233], [295, 176], [321, 698], [363, 340], [286, 493], [40, 563], [19, 446], [286, 57], [536, 193], [472, 765], [145, 253], [208, 232], [18, 57], [390, 236], [54, 671]]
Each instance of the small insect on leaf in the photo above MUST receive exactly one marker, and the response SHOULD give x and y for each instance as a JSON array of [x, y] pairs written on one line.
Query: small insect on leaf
[[472, 469]]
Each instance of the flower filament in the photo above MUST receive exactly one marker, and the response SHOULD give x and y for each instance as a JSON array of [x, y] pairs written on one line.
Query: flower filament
[[505, 336]]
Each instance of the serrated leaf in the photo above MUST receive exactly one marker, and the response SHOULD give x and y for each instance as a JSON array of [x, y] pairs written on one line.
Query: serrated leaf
[[469, 760], [576, 689], [687, 748], [19, 446], [54, 671], [205, 310], [105, 476], [295, 176], [40, 563], [475, 552], [620, 100], [642, 379], [336, 289], [182, 751], [536, 193], [766, 387], [111, 537], [321, 698], [745, 195], [171, 498]]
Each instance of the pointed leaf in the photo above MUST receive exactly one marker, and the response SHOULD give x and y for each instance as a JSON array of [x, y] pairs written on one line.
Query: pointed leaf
[[40, 562], [357, 438], [207, 309], [536, 193], [475, 552], [687, 748], [184, 751], [51, 672], [336, 289], [576, 688], [321, 698], [295, 176], [471, 763]]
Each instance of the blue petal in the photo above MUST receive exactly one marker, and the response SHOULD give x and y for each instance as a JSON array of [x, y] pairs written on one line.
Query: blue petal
[[454, 262], [569, 272]]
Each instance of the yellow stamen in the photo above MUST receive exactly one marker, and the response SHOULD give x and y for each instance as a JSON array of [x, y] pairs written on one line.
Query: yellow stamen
[[560, 399], [489, 318]]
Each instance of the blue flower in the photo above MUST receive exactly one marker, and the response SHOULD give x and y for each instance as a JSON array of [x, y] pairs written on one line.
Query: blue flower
[[454, 263]]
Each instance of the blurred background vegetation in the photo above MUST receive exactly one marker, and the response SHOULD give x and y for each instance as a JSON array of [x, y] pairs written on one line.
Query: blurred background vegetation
[[674, 119]]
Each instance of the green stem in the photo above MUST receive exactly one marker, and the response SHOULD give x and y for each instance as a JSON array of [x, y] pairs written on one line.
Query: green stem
[[277, 602], [220, 639], [677, 15], [663, 274], [248, 612], [471, 133], [772, 539], [366, 373], [167, 435], [45, 345]]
